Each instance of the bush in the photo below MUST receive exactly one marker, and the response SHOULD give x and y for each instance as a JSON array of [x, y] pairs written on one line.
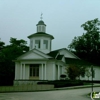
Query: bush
[[63, 83]]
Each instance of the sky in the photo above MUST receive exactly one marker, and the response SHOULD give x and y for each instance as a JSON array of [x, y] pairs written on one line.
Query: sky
[[18, 18]]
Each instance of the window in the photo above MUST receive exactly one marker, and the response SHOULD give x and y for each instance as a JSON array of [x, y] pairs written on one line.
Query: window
[[45, 44], [39, 28], [43, 29], [37, 43], [34, 70]]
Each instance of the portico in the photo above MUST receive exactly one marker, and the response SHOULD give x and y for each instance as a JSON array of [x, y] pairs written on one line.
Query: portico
[[36, 71], [31, 71]]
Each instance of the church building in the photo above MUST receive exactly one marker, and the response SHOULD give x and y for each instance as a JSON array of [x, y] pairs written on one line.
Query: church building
[[40, 63]]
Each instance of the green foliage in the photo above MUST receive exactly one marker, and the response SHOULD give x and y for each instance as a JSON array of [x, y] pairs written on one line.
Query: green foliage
[[63, 76], [2, 44], [21, 44], [63, 83], [88, 73], [75, 71], [87, 46], [9, 53]]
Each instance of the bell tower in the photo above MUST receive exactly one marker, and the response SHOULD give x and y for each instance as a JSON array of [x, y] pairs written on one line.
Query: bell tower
[[41, 40]]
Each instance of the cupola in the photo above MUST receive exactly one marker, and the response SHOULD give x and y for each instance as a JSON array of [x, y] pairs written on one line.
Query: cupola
[[41, 40], [41, 26]]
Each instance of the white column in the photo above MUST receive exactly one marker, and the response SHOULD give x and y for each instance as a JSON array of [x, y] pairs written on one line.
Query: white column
[[49, 45], [41, 44], [21, 71], [42, 71], [45, 70], [62, 69], [15, 71], [53, 72], [58, 72], [24, 71]]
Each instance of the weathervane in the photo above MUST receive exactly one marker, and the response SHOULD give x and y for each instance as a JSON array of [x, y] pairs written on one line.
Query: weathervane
[[41, 16]]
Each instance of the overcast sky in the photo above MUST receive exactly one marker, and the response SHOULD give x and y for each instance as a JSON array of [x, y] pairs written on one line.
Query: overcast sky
[[18, 18]]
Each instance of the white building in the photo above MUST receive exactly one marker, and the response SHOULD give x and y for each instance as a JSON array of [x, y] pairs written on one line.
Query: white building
[[40, 63]]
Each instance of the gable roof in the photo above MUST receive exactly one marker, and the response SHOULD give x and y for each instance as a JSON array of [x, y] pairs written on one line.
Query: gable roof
[[55, 52], [73, 54], [68, 60]]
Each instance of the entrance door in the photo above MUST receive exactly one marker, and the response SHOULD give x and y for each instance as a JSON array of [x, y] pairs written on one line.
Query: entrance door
[[34, 71]]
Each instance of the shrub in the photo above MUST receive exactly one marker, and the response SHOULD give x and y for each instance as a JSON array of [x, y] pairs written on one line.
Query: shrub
[[63, 83]]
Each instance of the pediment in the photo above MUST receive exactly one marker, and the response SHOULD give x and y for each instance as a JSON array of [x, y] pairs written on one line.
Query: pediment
[[31, 55], [68, 54], [64, 52]]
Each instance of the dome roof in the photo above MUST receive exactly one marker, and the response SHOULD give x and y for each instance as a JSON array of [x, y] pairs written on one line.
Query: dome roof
[[41, 23]]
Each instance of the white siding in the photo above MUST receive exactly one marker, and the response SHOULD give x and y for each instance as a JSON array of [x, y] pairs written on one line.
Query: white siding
[[97, 74], [42, 75], [17, 70], [50, 71], [66, 54], [40, 72], [41, 38], [27, 71]]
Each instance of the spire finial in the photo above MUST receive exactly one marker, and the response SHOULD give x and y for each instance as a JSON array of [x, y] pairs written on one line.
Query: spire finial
[[41, 16]]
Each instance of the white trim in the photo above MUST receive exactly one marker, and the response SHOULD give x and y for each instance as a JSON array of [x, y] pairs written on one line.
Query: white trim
[[53, 71], [57, 54], [42, 71], [24, 71], [44, 55], [39, 53], [45, 70], [21, 71], [58, 72], [16, 71], [62, 69]]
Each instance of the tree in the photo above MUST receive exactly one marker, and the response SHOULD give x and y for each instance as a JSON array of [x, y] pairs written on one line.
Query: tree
[[22, 44], [87, 46], [62, 76], [7, 55], [75, 71], [1, 45], [88, 73]]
